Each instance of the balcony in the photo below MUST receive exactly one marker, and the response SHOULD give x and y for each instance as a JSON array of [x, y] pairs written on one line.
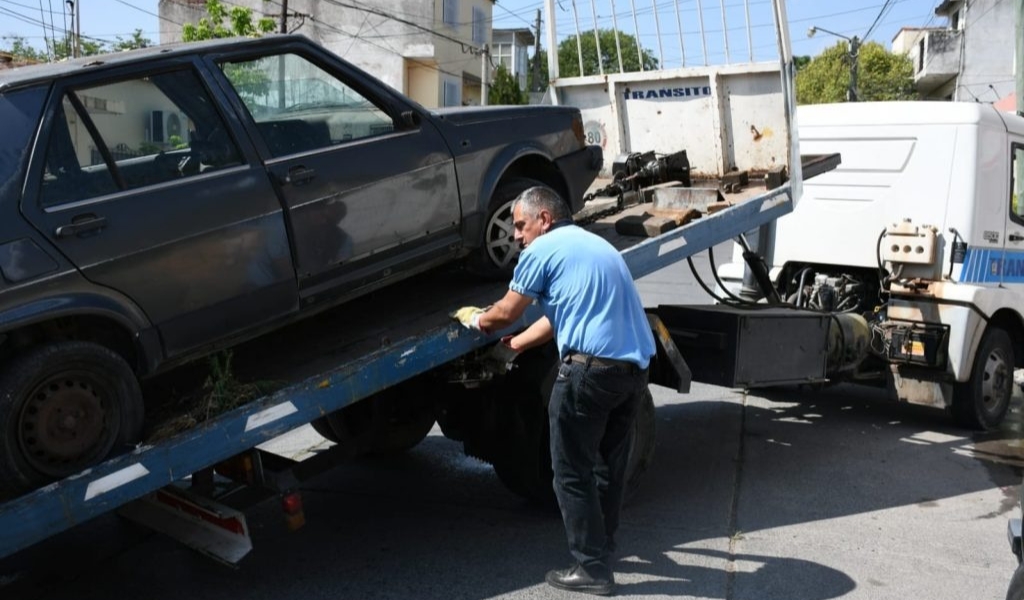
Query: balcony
[[937, 59]]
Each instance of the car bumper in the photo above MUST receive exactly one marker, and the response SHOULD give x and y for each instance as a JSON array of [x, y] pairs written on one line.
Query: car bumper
[[580, 169]]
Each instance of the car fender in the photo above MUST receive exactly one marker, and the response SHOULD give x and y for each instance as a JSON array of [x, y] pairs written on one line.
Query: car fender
[[83, 303], [500, 164]]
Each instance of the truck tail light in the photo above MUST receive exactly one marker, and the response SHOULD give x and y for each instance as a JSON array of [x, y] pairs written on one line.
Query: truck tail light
[[577, 129], [291, 504]]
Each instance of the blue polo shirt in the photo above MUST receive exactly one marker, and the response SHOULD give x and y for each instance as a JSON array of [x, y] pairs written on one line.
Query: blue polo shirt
[[585, 290]]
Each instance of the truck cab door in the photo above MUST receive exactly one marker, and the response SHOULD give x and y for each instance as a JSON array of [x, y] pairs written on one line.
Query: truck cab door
[[1012, 270], [369, 189]]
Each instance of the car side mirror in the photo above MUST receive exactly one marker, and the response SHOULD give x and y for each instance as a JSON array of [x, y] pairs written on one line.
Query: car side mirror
[[411, 119]]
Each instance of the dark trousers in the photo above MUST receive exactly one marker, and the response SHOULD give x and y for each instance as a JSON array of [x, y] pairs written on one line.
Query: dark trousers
[[591, 415]]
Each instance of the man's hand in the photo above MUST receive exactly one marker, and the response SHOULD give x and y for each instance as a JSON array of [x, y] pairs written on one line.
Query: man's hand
[[469, 316]]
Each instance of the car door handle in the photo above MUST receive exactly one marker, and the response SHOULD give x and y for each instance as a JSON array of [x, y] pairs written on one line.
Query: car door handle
[[1015, 237], [299, 175], [81, 224]]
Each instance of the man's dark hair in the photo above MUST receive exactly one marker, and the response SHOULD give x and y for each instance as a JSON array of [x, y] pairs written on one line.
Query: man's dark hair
[[538, 198]]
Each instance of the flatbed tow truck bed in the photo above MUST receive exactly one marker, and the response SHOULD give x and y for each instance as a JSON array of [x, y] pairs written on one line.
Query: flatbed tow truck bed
[[332, 360]]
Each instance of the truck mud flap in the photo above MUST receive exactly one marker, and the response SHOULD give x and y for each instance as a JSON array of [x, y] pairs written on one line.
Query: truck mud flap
[[668, 368]]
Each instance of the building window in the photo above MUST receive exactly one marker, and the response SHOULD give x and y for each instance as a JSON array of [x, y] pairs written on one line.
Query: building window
[[479, 25], [450, 10], [452, 92], [503, 55]]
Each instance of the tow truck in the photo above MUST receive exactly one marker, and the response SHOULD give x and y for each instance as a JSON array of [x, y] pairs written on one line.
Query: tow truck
[[401, 354]]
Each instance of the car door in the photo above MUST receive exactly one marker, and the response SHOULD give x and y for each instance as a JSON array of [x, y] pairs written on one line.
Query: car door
[[368, 192], [142, 185]]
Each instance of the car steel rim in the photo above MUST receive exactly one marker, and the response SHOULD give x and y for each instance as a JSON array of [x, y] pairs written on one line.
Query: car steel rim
[[65, 424], [994, 381], [501, 245]]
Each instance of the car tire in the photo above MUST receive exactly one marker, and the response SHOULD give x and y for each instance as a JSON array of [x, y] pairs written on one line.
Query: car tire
[[498, 252], [63, 407], [982, 402]]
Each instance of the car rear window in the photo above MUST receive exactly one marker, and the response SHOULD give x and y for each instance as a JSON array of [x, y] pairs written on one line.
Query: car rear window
[[19, 112]]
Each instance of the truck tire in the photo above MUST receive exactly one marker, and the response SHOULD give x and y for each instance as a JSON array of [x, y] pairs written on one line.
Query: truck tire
[[389, 422], [1016, 589], [498, 252], [524, 463], [63, 407], [982, 401]]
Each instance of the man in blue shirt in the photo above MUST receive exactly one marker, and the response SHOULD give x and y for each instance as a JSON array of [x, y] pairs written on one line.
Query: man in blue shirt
[[593, 311]]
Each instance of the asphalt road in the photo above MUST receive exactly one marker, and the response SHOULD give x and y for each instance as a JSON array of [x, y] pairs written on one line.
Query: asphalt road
[[792, 495]]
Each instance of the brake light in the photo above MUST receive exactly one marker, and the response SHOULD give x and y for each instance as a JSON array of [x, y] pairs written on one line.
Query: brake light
[[577, 129]]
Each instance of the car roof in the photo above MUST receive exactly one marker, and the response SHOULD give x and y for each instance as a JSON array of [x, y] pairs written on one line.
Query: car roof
[[44, 72]]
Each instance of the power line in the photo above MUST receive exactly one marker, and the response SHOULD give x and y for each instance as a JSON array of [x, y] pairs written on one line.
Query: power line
[[886, 6]]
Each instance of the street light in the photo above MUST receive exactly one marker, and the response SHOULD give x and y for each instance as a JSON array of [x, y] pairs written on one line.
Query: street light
[[851, 92]]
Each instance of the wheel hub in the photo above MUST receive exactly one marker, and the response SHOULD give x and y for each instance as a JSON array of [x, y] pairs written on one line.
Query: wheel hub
[[994, 380], [64, 423], [502, 248]]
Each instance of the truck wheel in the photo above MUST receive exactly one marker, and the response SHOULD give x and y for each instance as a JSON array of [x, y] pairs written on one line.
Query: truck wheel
[[389, 422], [496, 258], [1016, 589], [63, 407], [981, 402], [524, 464]]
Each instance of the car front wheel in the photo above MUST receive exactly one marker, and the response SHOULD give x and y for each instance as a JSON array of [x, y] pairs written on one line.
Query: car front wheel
[[63, 407]]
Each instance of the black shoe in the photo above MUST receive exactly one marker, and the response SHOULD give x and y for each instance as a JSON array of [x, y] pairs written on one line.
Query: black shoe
[[576, 579]]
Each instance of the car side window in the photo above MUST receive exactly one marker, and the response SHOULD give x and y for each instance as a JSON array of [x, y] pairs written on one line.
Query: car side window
[[1017, 183], [133, 133], [299, 107]]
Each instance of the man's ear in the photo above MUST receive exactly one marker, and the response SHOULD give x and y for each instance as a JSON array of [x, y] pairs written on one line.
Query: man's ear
[[546, 219]]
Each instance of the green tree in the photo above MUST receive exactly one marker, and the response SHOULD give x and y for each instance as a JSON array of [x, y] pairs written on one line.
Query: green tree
[[56, 48], [135, 41], [568, 57], [882, 75], [248, 79], [240, 23], [20, 49], [505, 89]]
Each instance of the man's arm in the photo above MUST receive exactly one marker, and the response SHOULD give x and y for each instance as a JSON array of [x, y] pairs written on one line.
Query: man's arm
[[541, 331], [504, 312]]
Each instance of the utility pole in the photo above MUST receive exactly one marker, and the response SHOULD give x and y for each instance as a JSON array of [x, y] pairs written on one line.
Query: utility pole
[[851, 93], [284, 16], [75, 43], [854, 51], [536, 57], [484, 87]]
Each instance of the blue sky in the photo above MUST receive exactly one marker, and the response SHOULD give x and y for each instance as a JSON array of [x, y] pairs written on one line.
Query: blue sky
[[107, 19]]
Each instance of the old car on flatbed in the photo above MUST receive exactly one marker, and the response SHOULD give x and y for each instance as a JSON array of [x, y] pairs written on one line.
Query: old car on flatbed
[[163, 203]]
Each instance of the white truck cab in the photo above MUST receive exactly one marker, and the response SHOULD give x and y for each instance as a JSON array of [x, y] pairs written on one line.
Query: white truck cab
[[920, 231]]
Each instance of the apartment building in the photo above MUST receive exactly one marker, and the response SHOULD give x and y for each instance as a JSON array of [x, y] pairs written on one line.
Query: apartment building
[[970, 57], [429, 50]]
